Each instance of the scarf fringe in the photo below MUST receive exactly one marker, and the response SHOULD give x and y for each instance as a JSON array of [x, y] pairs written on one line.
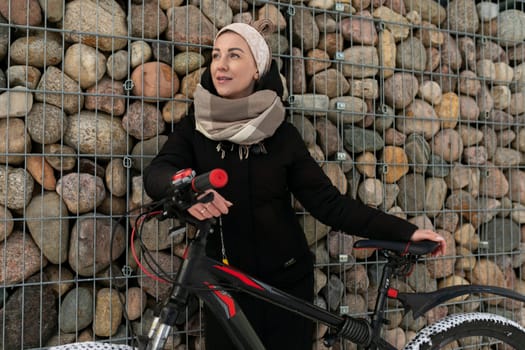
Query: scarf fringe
[[244, 150]]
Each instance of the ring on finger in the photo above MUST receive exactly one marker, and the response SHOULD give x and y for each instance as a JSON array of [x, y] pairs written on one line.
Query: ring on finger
[[203, 210]]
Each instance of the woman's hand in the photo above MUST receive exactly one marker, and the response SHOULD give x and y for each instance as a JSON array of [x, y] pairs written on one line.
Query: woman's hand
[[425, 234], [218, 206]]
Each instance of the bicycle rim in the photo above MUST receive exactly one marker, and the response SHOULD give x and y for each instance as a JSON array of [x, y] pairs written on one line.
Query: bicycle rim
[[480, 331]]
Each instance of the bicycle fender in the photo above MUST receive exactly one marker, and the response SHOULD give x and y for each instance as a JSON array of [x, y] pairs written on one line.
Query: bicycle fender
[[420, 303]]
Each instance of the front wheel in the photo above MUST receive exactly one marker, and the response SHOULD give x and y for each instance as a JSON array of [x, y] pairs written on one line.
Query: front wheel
[[470, 331]]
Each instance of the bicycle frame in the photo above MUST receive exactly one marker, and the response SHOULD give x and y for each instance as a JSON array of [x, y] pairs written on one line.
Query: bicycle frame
[[206, 278]]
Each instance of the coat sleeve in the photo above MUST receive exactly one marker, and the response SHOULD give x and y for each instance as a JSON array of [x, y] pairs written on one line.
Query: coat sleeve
[[310, 185], [175, 154]]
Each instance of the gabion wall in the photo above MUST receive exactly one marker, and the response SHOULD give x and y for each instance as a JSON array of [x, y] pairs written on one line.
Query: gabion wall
[[413, 106]]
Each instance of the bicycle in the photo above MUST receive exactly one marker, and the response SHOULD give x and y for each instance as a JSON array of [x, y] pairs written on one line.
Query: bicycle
[[209, 280]]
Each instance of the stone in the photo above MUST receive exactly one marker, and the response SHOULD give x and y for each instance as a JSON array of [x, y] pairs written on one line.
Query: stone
[[329, 82], [90, 241], [360, 62], [146, 148], [60, 279], [22, 12], [511, 25], [448, 144], [297, 72], [501, 96], [187, 62], [328, 136], [45, 123], [447, 221], [359, 29], [108, 312], [117, 65], [462, 16], [493, 183], [162, 52], [469, 135], [16, 187], [430, 91], [517, 104], [504, 73], [168, 263], [96, 133], [506, 157], [485, 101], [393, 137], [400, 90], [102, 25], [448, 110], [41, 171], [22, 75], [435, 194], [16, 141], [53, 9], [475, 155], [366, 164], [311, 104], [420, 118], [429, 10], [6, 223], [500, 120], [468, 83], [467, 48], [505, 137], [441, 268], [84, 64], [370, 192], [386, 50], [458, 177], [36, 51], [305, 31], [176, 109], [143, 121], [21, 258], [357, 140], [19, 318], [411, 55], [16, 102], [115, 177], [437, 166], [135, 303], [487, 10], [347, 109], [180, 28], [330, 43], [518, 213], [450, 54], [487, 49], [272, 13], [107, 96], [412, 192], [317, 61], [418, 152], [364, 88], [81, 192], [396, 23], [486, 272], [429, 35], [501, 235], [190, 81], [60, 157], [433, 59], [396, 162], [468, 108], [76, 310], [140, 53], [147, 20], [154, 81], [516, 52], [58, 89], [336, 176]]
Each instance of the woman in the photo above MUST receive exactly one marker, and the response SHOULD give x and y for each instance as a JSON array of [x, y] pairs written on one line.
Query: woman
[[238, 125]]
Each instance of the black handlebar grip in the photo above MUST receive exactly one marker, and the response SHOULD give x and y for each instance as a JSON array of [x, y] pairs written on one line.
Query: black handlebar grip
[[216, 178]]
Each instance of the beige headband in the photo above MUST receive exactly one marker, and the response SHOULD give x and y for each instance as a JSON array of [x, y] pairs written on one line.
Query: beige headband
[[258, 46]]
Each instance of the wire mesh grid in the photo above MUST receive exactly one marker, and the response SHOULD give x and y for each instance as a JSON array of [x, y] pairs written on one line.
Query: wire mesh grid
[[414, 107]]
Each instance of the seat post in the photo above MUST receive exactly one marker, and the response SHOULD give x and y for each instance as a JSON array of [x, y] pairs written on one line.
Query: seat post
[[378, 317]]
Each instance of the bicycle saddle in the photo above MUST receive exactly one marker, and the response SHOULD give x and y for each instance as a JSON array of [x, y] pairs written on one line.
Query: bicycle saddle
[[414, 248]]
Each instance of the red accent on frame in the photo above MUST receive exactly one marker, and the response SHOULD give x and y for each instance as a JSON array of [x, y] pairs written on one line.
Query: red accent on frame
[[244, 279], [392, 293], [226, 299]]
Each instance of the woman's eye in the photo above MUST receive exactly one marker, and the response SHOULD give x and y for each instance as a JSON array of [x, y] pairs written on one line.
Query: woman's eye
[[215, 56]]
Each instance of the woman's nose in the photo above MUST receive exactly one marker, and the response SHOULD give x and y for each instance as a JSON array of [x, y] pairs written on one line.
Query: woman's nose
[[222, 64]]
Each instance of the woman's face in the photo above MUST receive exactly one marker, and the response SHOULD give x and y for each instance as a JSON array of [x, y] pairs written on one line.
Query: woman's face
[[233, 68]]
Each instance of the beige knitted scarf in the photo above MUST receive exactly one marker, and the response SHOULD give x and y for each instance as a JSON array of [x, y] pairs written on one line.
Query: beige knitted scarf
[[245, 121]]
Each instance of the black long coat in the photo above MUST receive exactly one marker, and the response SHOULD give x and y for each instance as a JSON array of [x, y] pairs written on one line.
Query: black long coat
[[262, 234]]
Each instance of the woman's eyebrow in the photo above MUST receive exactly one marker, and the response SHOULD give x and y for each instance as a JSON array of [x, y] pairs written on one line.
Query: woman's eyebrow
[[230, 49]]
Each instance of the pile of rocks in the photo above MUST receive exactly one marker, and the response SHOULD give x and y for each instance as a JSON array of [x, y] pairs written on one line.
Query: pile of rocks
[[407, 105]]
